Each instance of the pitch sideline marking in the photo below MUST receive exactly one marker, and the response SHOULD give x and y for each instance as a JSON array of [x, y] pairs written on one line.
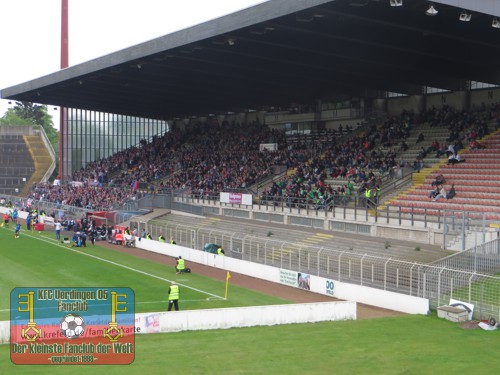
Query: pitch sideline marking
[[151, 302], [126, 267]]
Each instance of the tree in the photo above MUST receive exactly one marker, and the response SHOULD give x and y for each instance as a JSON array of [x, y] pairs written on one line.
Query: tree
[[11, 118], [25, 113]]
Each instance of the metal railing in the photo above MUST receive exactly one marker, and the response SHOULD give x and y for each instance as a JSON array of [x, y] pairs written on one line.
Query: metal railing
[[468, 276], [482, 258], [438, 282]]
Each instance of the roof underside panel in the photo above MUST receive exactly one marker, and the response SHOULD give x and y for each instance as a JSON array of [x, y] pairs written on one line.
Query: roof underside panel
[[329, 49]]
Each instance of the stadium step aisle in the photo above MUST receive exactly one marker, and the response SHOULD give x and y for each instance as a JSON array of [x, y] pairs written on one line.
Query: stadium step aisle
[[476, 181]]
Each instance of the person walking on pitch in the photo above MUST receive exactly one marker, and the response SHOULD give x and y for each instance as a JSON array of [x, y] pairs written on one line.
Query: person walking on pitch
[[173, 296]]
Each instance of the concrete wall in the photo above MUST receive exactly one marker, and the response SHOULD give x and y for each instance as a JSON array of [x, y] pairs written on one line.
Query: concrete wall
[[317, 284], [191, 320], [457, 99], [486, 96], [4, 332]]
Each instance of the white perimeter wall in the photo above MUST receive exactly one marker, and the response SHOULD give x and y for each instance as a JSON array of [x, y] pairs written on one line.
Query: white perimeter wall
[[191, 320], [358, 293]]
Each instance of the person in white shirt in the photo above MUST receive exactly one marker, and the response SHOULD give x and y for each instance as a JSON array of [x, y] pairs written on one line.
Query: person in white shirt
[[58, 227], [454, 159], [442, 194]]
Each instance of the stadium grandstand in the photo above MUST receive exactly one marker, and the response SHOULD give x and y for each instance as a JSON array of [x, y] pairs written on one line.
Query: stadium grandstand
[[334, 115]]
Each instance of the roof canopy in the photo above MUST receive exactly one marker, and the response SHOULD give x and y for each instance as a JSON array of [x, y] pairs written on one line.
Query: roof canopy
[[281, 52]]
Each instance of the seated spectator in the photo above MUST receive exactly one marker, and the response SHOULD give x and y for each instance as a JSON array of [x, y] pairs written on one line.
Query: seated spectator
[[127, 236], [434, 193], [440, 180], [403, 146], [475, 145], [435, 146], [119, 238], [441, 151], [442, 194], [77, 240], [422, 153], [454, 159], [450, 150], [451, 193], [420, 138]]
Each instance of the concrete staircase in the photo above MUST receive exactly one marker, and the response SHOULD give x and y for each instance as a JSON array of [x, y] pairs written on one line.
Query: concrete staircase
[[41, 159]]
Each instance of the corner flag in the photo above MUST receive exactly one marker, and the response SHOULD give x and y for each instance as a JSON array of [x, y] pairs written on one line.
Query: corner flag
[[228, 276]]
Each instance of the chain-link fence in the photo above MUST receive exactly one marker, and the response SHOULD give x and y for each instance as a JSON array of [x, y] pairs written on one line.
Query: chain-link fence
[[482, 258], [438, 282], [468, 276]]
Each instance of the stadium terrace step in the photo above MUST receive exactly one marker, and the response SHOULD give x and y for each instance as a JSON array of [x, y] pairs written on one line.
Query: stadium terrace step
[[463, 194], [464, 169], [445, 205], [486, 151], [434, 212], [462, 176], [481, 159], [9, 162], [457, 199], [471, 182], [463, 189]]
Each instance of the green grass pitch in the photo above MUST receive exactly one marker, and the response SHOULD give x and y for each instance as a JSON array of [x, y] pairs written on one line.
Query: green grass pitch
[[399, 345], [37, 260]]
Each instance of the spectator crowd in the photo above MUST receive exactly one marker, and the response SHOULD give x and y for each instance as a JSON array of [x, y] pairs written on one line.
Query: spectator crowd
[[204, 159]]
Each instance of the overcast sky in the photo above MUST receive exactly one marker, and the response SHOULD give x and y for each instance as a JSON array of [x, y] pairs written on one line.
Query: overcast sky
[[31, 30]]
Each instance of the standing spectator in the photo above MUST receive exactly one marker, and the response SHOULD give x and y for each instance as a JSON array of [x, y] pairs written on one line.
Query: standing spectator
[[84, 239], [418, 164], [173, 296], [93, 235], [14, 215], [58, 230], [6, 219], [28, 222]]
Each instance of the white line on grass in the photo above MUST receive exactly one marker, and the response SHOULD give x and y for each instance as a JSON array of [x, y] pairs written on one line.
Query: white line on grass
[[123, 266], [184, 300], [147, 302]]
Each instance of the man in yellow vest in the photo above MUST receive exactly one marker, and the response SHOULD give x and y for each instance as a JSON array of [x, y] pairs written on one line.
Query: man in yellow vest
[[173, 296], [181, 266], [220, 251], [161, 238], [368, 195]]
